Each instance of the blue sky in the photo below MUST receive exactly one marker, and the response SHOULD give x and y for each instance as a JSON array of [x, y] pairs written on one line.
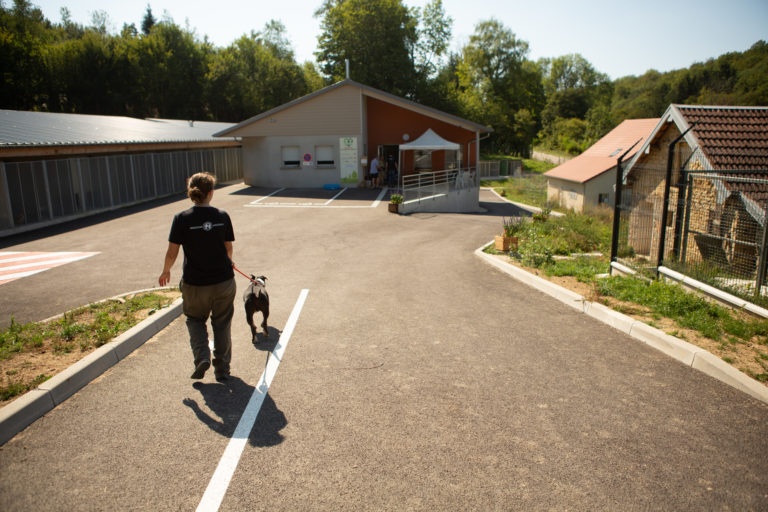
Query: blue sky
[[617, 37]]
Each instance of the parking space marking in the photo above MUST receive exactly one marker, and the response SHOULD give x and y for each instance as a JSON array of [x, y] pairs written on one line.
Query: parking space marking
[[337, 195], [221, 478], [15, 264], [380, 197], [261, 202], [266, 197]]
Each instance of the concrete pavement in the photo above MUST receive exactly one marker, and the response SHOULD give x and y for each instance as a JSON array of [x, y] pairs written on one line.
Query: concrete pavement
[[418, 378], [20, 413]]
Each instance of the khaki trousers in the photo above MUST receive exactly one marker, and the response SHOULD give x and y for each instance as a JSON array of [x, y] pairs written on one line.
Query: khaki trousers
[[216, 301]]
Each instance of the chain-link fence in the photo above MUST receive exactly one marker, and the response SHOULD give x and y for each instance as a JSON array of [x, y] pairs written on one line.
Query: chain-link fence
[[708, 225]]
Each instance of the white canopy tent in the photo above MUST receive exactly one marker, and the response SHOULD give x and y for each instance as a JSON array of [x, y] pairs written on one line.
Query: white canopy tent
[[428, 141]]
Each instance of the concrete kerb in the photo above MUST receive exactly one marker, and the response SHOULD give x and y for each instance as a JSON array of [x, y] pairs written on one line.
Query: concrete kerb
[[685, 352], [23, 411]]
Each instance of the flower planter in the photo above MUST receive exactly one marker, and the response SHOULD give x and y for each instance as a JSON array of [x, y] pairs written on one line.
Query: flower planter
[[506, 243], [394, 207]]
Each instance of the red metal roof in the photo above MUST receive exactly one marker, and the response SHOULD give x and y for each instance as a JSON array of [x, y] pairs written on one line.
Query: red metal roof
[[603, 154]]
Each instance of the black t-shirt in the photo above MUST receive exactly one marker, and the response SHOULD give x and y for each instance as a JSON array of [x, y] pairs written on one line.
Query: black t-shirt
[[202, 231]]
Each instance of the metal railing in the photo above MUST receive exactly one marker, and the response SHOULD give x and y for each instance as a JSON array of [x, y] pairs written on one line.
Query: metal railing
[[435, 186], [489, 168]]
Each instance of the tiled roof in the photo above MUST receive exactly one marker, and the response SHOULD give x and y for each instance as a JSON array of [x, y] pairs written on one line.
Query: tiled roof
[[29, 129], [731, 138], [603, 154]]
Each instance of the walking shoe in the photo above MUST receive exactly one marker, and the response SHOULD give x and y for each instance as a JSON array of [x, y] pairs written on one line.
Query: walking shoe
[[222, 377], [201, 368]]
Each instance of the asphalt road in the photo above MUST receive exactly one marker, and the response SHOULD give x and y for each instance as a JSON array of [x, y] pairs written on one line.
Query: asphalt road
[[417, 377]]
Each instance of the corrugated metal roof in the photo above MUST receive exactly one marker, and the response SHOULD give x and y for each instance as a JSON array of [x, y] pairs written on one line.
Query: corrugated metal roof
[[603, 154], [28, 129]]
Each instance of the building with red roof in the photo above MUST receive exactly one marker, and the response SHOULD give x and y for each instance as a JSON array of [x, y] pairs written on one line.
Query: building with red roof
[[590, 178]]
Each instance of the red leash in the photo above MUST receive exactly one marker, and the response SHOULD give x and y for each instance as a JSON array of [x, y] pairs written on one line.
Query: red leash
[[243, 274]]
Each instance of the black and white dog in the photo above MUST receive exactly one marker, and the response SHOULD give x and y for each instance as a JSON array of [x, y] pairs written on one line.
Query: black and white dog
[[257, 299]]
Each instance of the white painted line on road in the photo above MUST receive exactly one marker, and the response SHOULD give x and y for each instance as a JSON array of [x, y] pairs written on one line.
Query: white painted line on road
[[381, 196], [337, 195], [305, 205], [221, 478], [267, 197]]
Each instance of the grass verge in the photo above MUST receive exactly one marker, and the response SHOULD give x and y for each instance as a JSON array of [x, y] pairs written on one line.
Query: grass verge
[[576, 246], [32, 353], [530, 189]]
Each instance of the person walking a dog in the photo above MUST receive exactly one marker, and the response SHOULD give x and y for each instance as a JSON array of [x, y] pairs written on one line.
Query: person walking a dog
[[208, 286]]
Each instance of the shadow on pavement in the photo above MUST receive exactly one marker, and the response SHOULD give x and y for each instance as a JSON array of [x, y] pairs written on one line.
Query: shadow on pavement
[[267, 343], [227, 401]]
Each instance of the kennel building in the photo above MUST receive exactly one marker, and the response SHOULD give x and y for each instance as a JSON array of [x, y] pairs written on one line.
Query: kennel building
[[59, 167]]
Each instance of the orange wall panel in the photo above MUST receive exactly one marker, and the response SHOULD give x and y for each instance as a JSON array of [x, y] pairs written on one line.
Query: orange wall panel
[[388, 123]]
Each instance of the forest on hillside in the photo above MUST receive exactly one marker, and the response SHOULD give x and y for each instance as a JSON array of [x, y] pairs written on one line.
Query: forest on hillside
[[161, 69]]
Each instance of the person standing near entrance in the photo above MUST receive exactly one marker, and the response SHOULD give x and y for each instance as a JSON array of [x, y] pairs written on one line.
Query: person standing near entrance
[[208, 281], [391, 172], [375, 171]]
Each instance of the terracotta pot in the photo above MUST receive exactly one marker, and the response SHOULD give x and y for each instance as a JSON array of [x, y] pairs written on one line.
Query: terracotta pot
[[506, 243], [394, 208]]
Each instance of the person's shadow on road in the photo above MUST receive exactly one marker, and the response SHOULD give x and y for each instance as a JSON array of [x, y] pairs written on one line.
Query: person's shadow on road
[[228, 400]]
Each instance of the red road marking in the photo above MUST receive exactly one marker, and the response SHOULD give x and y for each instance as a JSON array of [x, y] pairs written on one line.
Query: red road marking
[[15, 265]]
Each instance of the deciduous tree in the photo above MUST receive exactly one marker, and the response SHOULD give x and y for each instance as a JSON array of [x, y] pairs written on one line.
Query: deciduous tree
[[377, 37]]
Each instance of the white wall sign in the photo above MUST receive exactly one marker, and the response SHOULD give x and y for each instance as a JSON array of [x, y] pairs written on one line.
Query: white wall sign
[[349, 160]]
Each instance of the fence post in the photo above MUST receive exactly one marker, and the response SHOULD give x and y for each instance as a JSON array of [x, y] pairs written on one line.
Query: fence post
[[687, 221], [665, 205], [617, 204], [761, 261], [682, 188]]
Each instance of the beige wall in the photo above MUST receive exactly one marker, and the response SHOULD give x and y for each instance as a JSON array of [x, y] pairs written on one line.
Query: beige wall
[[575, 196], [566, 194], [337, 111], [322, 120], [602, 184], [262, 161]]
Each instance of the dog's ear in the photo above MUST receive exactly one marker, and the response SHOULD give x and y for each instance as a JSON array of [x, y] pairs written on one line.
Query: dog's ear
[[253, 277], [263, 277]]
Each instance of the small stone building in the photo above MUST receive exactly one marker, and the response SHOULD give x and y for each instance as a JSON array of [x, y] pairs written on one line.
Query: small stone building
[[718, 186]]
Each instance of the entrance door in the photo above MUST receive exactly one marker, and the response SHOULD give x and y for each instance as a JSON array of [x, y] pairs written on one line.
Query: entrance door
[[386, 150], [392, 178]]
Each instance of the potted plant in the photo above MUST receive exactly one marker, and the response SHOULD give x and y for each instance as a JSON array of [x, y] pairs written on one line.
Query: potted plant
[[395, 200], [508, 240]]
